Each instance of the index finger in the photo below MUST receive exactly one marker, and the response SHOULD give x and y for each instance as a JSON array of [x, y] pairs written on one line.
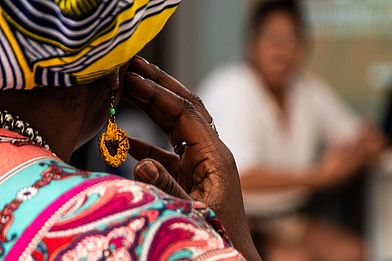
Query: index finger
[[174, 114], [150, 71]]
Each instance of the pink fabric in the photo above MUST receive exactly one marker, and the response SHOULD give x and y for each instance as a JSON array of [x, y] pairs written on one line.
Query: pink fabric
[[40, 221]]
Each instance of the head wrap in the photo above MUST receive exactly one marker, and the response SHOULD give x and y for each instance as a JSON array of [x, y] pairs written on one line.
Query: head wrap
[[71, 42]]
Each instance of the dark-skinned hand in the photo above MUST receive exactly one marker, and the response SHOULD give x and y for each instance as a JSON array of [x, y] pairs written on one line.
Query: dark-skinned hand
[[205, 169]]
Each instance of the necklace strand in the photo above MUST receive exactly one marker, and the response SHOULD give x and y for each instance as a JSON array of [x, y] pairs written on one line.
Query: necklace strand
[[14, 123]]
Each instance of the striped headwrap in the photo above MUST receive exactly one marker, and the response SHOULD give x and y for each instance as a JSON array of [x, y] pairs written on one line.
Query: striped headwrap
[[70, 42]]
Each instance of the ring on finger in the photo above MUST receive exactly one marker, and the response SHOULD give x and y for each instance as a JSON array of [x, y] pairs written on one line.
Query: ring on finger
[[212, 125]]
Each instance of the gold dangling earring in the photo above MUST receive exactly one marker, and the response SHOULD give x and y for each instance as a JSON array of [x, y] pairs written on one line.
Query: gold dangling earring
[[113, 143]]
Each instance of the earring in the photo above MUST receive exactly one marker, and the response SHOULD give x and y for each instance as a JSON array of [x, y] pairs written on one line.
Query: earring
[[113, 143]]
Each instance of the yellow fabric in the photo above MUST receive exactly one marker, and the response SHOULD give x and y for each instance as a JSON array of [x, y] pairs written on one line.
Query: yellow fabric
[[68, 42]]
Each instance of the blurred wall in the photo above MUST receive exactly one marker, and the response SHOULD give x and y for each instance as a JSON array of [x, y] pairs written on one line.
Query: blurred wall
[[202, 35], [352, 49], [356, 68]]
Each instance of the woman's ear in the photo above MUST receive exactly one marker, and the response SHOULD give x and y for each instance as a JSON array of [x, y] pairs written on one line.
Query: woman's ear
[[113, 83], [113, 80]]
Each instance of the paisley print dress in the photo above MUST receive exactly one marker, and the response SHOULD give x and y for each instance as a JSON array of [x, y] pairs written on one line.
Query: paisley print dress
[[52, 211]]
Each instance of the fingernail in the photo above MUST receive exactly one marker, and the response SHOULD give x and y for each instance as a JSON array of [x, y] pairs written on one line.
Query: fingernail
[[142, 59], [148, 172], [137, 75]]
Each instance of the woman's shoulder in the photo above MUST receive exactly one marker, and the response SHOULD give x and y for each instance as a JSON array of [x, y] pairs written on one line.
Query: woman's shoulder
[[228, 87]]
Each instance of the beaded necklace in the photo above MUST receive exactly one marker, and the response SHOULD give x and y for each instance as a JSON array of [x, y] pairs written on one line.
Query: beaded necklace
[[14, 123]]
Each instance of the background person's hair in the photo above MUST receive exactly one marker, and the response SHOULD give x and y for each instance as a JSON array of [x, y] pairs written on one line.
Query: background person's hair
[[264, 8]]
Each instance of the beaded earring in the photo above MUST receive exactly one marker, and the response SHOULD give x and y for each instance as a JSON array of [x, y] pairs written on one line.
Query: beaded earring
[[113, 143]]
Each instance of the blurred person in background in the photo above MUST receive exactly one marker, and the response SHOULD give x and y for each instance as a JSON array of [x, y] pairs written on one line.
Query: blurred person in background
[[290, 135]]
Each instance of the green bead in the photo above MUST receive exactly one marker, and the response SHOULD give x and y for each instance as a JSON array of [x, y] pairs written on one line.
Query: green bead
[[112, 111]]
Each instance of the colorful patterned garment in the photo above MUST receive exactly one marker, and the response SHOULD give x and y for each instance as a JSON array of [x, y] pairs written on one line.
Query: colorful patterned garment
[[71, 42], [52, 211]]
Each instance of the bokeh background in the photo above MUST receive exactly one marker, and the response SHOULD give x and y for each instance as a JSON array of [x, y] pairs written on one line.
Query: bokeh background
[[351, 44]]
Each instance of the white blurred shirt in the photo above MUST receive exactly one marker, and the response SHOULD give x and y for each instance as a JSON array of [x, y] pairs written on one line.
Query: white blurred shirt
[[249, 123]]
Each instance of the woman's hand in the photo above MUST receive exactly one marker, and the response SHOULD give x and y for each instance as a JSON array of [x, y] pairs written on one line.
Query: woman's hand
[[341, 162], [205, 168], [338, 165]]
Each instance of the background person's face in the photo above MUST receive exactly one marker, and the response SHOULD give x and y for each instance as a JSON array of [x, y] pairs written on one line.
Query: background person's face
[[277, 49]]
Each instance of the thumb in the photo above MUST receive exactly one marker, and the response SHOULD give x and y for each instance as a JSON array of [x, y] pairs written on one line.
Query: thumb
[[152, 172]]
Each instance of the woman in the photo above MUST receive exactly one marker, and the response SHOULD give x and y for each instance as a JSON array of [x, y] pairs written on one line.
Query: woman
[[52, 211]]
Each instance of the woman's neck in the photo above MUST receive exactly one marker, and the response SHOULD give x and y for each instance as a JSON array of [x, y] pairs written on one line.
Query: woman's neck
[[58, 127]]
